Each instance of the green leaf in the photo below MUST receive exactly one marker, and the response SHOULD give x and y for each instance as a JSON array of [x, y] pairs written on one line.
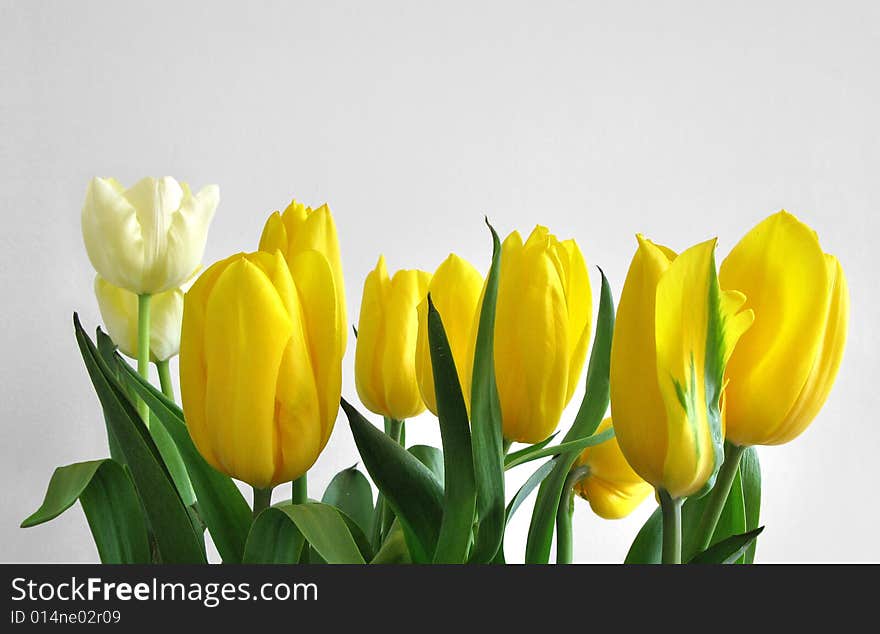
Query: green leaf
[[221, 505], [351, 493], [729, 550], [590, 414], [750, 473], [534, 480], [486, 435], [647, 547], [166, 447], [415, 495], [459, 490], [432, 458], [110, 503], [358, 534], [573, 446], [516, 455], [273, 536], [175, 535], [393, 549]]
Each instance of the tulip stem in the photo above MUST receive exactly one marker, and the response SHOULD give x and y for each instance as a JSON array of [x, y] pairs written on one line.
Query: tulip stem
[[394, 428], [163, 367], [718, 496], [300, 492], [143, 351], [564, 514], [262, 500], [671, 511]]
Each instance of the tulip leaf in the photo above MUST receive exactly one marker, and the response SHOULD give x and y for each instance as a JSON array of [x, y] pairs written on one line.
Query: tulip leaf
[[750, 473], [648, 545], [175, 535], [459, 489], [351, 493], [486, 436], [534, 480], [393, 550], [530, 449], [729, 550], [408, 486], [431, 457], [274, 536], [110, 503], [588, 418], [575, 446], [221, 505]]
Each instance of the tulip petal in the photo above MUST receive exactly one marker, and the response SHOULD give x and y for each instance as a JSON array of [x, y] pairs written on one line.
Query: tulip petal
[[781, 269], [635, 394], [371, 336], [828, 358], [185, 239], [579, 300], [274, 236], [247, 331]]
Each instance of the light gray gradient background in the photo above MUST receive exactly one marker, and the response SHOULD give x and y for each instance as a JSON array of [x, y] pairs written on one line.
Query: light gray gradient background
[[678, 120]]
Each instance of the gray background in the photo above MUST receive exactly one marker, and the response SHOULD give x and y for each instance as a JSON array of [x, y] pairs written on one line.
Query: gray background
[[678, 120]]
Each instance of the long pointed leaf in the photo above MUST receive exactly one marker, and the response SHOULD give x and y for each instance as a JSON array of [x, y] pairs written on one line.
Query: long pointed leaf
[[729, 550], [459, 490], [351, 493], [415, 495], [575, 446]]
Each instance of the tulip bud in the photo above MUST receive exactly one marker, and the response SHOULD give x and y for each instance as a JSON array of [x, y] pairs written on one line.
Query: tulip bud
[[385, 356], [150, 238], [674, 333], [611, 486], [542, 328], [455, 289], [302, 228], [781, 372], [119, 310], [261, 364]]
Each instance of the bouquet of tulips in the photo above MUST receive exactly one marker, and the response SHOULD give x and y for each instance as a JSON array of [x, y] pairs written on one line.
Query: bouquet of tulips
[[699, 366]]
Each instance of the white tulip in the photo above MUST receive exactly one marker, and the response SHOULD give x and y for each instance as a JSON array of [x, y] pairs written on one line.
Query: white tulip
[[119, 310], [150, 238]]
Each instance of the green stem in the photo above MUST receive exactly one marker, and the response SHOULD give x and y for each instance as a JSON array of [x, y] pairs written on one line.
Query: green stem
[[382, 514], [394, 428], [262, 500], [143, 350], [718, 496], [301, 489], [163, 367], [671, 510], [564, 515]]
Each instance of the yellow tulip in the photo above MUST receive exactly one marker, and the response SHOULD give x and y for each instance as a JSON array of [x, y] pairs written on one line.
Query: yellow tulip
[[455, 289], [119, 310], [674, 333], [385, 356], [261, 364], [300, 229], [782, 370], [542, 328], [150, 238], [611, 486]]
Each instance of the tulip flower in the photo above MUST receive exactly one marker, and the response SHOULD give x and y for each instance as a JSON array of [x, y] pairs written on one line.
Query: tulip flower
[[542, 328], [674, 333], [781, 372], [301, 228], [610, 484], [260, 364], [119, 310], [385, 357], [455, 289], [150, 238]]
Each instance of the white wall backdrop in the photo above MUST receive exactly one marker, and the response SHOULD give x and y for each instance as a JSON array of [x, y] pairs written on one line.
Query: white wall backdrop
[[413, 119]]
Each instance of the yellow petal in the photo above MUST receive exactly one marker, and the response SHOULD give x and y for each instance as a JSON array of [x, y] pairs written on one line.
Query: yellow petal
[[531, 340], [274, 236], [637, 405], [818, 384], [316, 288], [247, 331], [455, 290], [401, 387], [579, 300], [371, 339], [781, 269], [684, 310]]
